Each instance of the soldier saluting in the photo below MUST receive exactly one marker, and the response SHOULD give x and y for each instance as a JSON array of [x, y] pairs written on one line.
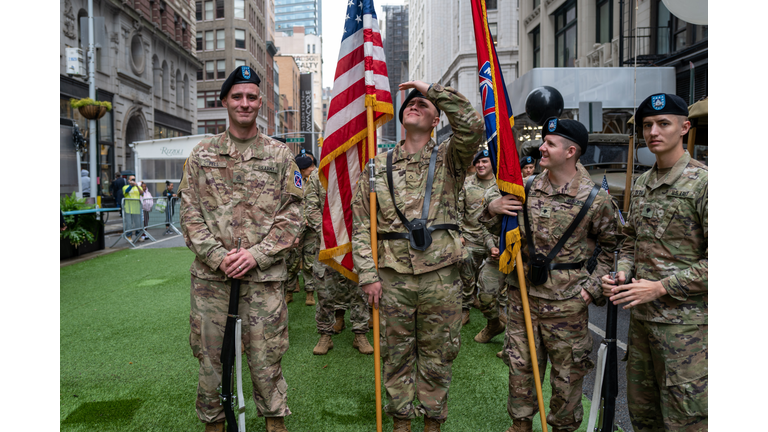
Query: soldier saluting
[[563, 208], [417, 185], [240, 184], [665, 256]]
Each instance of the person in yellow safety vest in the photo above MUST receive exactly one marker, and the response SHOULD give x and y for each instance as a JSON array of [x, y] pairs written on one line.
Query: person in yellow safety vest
[[131, 208]]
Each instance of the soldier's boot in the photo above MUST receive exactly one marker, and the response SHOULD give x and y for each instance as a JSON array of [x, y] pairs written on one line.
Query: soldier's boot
[[298, 287], [431, 425], [521, 426], [493, 328], [401, 425], [361, 344], [288, 297], [475, 302], [464, 316], [214, 427], [276, 424], [500, 354], [310, 298], [340, 324], [323, 345]]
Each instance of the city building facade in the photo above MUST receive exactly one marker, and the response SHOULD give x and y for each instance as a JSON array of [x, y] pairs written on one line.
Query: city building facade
[[228, 35], [289, 96], [307, 14], [395, 37], [145, 65], [306, 49]]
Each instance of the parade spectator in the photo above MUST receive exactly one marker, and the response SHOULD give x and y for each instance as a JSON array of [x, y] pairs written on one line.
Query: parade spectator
[[170, 198], [117, 191], [132, 209], [85, 181], [146, 205]]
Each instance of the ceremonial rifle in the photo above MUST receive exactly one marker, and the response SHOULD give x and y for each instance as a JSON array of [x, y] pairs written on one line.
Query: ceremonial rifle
[[231, 351], [602, 414]]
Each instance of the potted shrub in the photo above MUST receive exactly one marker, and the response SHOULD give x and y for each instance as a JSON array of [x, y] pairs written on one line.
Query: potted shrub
[[84, 233], [91, 109]]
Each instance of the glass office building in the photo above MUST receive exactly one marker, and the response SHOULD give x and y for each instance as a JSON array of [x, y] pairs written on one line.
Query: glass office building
[[306, 13]]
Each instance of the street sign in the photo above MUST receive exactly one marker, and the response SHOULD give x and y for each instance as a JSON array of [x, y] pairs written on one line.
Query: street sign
[[295, 140], [387, 145]]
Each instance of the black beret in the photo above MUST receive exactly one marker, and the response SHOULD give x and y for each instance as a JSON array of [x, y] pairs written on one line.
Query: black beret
[[303, 162], [241, 75], [527, 160], [662, 103], [481, 154], [569, 129], [414, 93]]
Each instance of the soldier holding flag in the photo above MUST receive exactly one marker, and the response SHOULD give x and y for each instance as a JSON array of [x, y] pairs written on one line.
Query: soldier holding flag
[[419, 247]]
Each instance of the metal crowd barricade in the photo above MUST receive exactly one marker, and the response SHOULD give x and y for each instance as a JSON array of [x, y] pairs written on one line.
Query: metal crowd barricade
[[162, 212]]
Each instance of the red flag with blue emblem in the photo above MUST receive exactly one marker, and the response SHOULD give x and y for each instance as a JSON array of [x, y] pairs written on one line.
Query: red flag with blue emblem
[[497, 112]]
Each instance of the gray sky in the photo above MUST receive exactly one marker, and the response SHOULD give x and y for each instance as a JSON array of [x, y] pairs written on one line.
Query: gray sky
[[333, 19]]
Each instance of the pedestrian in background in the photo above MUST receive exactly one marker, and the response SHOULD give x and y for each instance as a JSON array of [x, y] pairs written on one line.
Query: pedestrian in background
[[117, 191], [85, 181], [171, 201], [146, 205], [132, 208]]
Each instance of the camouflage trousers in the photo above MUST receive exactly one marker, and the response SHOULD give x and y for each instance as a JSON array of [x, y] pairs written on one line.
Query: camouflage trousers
[[264, 335], [560, 332], [308, 247], [293, 262], [667, 377], [335, 292], [420, 337], [468, 271], [492, 290]]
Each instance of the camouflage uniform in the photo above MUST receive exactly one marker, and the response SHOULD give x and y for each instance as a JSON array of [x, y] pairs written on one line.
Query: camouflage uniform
[[558, 312], [666, 240], [420, 304], [492, 290], [334, 291], [476, 236], [293, 262], [255, 196]]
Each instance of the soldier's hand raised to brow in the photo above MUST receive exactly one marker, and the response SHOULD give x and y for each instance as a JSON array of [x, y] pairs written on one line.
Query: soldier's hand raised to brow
[[421, 86], [373, 290], [508, 205]]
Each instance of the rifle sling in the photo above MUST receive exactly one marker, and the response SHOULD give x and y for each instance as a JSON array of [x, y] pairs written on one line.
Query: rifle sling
[[564, 238], [228, 357]]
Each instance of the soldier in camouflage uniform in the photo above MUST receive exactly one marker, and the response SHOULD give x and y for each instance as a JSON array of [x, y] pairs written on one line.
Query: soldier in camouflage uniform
[[305, 244], [665, 256], [559, 312], [473, 233], [240, 184], [332, 287], [420, 290]]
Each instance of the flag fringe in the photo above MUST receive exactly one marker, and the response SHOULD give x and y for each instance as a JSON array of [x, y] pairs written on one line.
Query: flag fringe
[[507, 259], [326, 257], [511, 188]]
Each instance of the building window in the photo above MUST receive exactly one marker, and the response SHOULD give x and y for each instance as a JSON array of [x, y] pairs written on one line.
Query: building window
[[199, 74], [536, 36], [166, 132], [565, 35], [679, 34], [219, 8], [211, 126], [209, 99], [663, 24], [490, 5], [536, 3], [209, 70], [239, 38], [239, 63], [219, 39], [220, 69], [209, 41], [493, 29], [199, 40], [604, 21], [199, 10], [240, 9], [209, 10]]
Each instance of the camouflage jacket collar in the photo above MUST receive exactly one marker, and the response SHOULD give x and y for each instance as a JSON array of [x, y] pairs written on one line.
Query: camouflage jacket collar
[[425, 153], [571, 188], [226, 146], [673, 175]]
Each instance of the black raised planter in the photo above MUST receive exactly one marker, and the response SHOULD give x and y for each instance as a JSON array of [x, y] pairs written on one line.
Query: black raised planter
[[69, 251]]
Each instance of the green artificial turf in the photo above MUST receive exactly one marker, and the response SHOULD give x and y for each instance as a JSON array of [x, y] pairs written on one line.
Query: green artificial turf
[[126, 364]]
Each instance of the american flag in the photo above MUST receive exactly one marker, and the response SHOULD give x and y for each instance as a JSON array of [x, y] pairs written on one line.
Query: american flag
[[605, 184], [360, 81]]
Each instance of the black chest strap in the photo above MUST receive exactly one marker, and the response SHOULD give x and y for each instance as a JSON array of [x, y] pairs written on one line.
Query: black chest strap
[[566, 235]]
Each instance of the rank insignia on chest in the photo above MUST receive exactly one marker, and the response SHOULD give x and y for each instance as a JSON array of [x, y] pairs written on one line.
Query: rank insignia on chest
[[238, 178], [647, 212], [546, 212], [297, 179]]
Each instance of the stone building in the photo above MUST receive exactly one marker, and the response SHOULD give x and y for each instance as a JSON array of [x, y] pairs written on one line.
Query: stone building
[[145, 66]]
